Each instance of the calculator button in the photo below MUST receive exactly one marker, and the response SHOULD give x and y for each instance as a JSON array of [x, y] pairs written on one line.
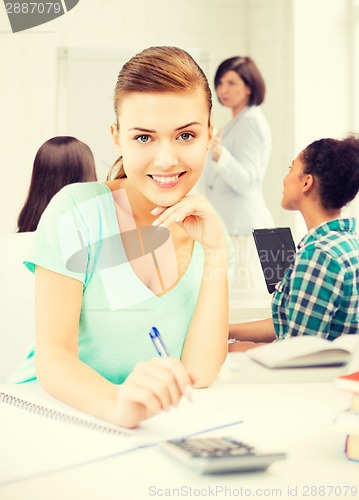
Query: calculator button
[[215, 447], [240, 451]]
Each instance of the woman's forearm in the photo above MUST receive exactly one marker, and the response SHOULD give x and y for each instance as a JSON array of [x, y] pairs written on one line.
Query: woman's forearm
[[67, 378], [58, 368], [254, 331], [206, 345]]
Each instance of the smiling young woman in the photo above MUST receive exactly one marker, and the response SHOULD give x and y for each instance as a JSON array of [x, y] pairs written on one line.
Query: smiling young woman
[[113, 259]]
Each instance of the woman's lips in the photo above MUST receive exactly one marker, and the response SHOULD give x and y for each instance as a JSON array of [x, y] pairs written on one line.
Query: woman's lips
[[166, 181]]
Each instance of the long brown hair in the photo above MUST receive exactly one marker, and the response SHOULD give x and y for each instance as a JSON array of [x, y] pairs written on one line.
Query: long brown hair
[[158, 69], [60, 161]]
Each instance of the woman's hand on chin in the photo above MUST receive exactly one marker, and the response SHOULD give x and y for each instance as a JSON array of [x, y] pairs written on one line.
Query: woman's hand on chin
[[197, 217]]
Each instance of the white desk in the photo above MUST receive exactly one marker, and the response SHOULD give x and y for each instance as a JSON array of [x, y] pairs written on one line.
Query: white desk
[[296, 418]]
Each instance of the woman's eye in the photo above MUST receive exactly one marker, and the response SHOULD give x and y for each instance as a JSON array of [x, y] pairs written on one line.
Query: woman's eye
[[186, 136], [143, 138]]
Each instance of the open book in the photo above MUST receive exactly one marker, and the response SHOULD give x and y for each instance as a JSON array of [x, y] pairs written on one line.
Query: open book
[[39, 434], [305, 351]]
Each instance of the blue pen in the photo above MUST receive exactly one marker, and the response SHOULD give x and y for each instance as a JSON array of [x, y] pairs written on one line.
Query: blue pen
[[158, 343], [162, 351]]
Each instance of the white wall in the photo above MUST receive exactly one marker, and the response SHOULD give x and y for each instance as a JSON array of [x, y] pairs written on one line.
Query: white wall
[[270, 43], [294, 42], [321, 79], [322, 73]]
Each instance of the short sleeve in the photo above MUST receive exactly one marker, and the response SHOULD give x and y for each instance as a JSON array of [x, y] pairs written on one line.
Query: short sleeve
[[60, 242]]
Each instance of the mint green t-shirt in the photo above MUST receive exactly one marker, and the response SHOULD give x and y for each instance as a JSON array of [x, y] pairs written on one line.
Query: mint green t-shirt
[[78, 236]]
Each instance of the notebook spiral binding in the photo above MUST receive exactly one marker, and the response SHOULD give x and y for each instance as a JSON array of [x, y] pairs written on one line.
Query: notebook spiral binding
[[60, 416]]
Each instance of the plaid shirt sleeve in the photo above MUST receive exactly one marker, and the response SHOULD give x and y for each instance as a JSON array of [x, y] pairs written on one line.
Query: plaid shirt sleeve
[[306, 303]]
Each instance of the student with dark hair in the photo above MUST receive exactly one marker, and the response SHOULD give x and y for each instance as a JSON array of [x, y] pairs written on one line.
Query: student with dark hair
[[238, 160], [319, 294], [113, 259], [60, 161]]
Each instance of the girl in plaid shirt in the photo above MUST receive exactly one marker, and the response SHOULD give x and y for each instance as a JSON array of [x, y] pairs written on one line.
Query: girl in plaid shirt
[[319, 294]]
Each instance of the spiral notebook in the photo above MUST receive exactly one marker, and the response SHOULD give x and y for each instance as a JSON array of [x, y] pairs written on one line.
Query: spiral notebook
[[39, 434]]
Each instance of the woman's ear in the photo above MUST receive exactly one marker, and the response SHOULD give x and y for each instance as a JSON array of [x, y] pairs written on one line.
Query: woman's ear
[[308, 183], [210, 135], [115, 134]]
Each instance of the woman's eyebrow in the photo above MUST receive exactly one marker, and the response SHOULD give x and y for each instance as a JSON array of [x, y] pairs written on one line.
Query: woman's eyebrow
[[188, 125], [140, 129], [149, 131]]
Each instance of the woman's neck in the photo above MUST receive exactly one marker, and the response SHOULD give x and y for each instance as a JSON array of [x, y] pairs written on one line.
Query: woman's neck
[[133, 203], [319, 215], [239, 108]]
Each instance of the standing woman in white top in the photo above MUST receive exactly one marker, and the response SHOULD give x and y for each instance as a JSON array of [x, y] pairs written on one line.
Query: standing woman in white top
[[237, 163]]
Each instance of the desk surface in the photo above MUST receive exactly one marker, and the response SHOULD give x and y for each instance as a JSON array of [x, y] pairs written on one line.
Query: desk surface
[[296, 418]]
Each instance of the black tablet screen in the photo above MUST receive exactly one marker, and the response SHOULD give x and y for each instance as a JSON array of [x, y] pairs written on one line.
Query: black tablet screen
[[276, 251]]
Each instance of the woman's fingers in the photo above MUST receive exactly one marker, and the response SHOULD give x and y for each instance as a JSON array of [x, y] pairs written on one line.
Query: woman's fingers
[[180, 376], [217, 138], [134, 404], [219, 134], [158, 210], [152, 386], [160, 380], [189, 205], [198, 218], [216, 147]]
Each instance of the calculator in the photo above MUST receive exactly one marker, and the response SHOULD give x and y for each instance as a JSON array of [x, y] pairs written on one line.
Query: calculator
[[210, 455]]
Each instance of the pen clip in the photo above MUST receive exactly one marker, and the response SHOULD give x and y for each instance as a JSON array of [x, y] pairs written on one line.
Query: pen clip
[[158, 342]]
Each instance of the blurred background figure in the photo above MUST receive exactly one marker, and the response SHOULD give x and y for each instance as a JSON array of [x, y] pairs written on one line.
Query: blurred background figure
[[237, 163], [60, 161]]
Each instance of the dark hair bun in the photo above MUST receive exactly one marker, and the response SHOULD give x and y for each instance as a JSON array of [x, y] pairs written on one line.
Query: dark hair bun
[[335, 163]]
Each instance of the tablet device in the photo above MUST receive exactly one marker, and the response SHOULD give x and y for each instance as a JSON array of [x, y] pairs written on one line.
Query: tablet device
[[276, 251]]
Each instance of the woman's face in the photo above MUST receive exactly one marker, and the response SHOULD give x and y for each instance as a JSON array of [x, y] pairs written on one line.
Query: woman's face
[[232, 91], [163, 139], [293, 185]]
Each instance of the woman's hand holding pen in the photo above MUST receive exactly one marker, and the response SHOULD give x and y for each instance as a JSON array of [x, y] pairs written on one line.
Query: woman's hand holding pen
[[197, 217], [151, 387]]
